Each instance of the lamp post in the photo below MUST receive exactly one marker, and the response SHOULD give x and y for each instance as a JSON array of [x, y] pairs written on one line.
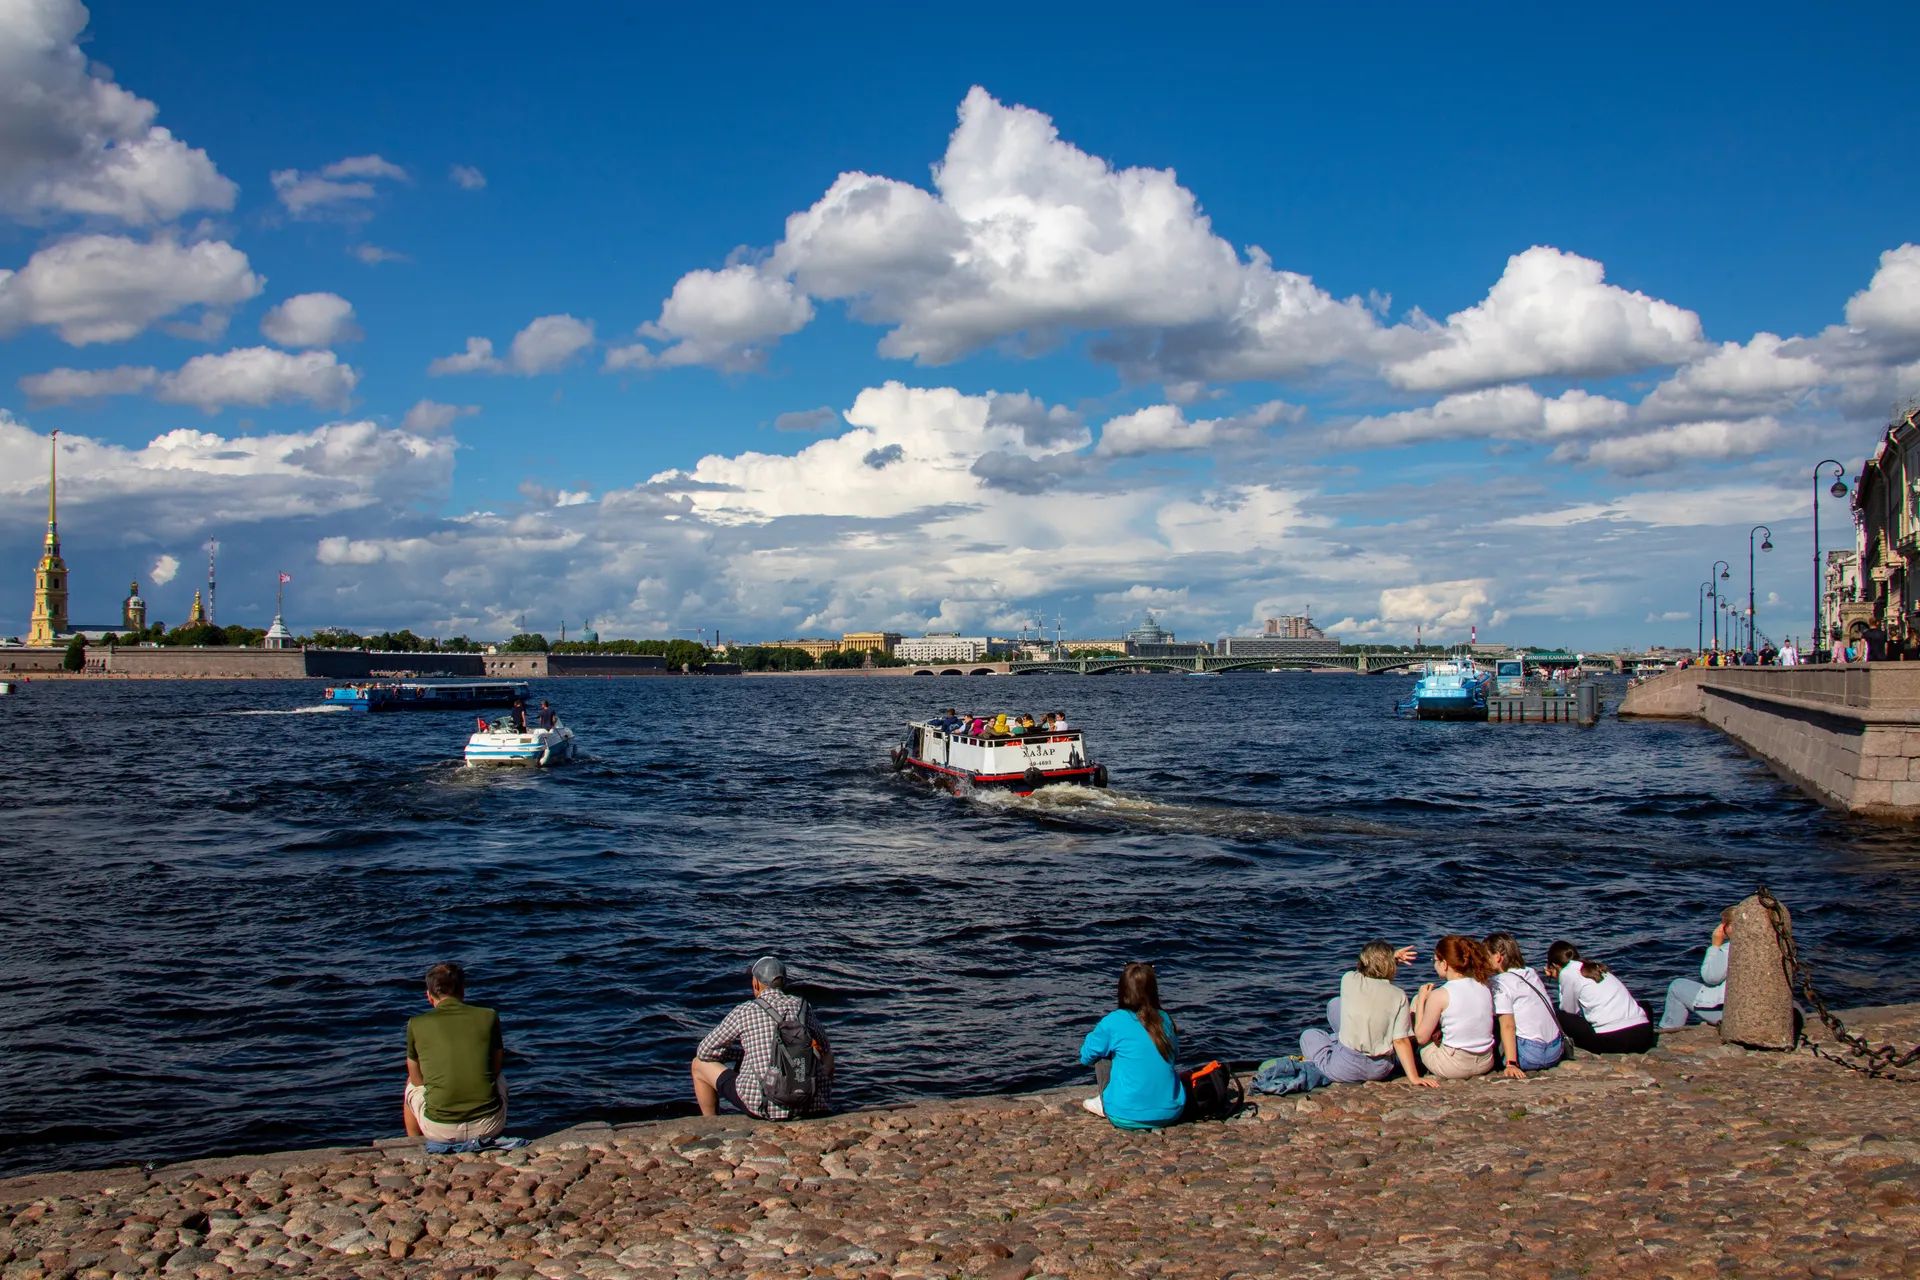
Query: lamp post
[[1723, 570], [1839, 490], [1766, 544], [1700, 619]]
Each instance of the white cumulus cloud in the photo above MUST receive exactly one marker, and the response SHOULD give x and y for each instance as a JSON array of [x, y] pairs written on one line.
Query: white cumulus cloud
[[259, 376], [74, 142], [311, 320], [547, 344], [466, 177], [1164, 428], [164, 567], [343, 187], [429, 416], [64, 386], [1515, 412], [725, 319], [1891, 301], [101, 288], [1551, 314]]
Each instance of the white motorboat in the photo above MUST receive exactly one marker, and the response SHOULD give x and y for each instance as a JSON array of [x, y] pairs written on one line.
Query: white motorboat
[[501, 743], [945, 753]]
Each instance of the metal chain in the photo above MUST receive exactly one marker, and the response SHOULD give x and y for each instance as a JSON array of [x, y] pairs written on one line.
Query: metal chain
[[1880, 1059]]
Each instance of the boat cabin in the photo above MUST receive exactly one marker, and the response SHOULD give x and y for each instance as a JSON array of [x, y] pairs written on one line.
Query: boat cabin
[[1020, 762]]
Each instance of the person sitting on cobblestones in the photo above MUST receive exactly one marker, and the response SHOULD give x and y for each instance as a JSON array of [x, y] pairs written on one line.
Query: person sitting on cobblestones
[[1371, 1032], [1530, 1036], [733, 1061], [1704, 998], [455, 1090], [1597, 1012], [1453, 1022], [1132, 1052]]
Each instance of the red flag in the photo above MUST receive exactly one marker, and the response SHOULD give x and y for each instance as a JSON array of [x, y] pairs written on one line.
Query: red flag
[[285, 578]]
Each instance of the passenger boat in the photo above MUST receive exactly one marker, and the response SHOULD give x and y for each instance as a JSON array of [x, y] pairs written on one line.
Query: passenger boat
[[438, 695], [501, 743], [1449, 689], [1022, 763]]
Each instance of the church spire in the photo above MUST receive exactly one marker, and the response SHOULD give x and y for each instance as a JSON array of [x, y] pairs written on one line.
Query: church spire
[[53, 488], [49, 620]]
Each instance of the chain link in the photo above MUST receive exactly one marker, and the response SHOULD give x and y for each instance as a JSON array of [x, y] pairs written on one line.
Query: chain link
[[1881, 1060]]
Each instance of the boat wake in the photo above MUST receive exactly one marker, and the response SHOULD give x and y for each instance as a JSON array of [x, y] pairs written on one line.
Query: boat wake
[[293, 711], [1121, 810]]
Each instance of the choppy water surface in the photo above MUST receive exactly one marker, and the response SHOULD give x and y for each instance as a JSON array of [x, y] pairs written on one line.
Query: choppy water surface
[[219, 904]]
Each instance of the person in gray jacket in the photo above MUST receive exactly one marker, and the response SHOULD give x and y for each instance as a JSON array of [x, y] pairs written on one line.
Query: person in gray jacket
[[1702, 999]]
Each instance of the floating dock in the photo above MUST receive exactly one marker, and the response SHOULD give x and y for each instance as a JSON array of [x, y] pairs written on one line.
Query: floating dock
[[1579, 706]]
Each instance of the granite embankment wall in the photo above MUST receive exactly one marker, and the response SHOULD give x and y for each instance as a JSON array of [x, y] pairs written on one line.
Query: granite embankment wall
[[334, 664], [1847, 735]]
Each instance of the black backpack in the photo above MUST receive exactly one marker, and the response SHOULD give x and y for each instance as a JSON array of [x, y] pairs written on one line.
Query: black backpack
[[1213, 1093], [793, 1077]]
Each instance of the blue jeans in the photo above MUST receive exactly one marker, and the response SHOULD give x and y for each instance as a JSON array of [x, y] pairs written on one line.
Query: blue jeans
[[1681, 995], [1538, 1055]]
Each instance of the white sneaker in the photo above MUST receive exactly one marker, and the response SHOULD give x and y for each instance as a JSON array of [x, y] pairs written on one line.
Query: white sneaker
[[1094, 1105]]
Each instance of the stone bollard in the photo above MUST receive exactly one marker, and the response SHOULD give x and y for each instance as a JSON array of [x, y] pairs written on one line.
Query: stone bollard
[[1759, 1010]]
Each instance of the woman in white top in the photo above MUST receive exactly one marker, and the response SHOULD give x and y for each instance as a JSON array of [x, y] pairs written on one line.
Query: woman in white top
[[1453, 1022], [1530, 1038], [1597, 1011]]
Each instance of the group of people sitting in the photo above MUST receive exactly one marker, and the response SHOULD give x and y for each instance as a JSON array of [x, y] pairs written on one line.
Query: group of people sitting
[[1488, 1011], [1002, 725], [770, 1058]]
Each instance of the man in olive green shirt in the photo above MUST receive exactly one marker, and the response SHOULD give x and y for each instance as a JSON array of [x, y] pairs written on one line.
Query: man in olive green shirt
[[455, 1092]]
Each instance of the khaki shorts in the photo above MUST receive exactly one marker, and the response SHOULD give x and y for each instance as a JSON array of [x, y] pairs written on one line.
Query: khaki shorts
[[1454, 1064], [485, 1127]]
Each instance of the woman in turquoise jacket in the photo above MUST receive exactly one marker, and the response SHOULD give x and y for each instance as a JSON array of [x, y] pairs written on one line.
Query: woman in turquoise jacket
[[1132, 1052]]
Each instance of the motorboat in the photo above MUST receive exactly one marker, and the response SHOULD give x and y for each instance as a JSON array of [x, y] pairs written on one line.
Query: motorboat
[[1449, 689], [502, 743], [946, 754], [6, 687], [423, 695]]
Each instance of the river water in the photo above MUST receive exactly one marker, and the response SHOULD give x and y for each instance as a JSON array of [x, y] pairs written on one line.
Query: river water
[[219, 900]]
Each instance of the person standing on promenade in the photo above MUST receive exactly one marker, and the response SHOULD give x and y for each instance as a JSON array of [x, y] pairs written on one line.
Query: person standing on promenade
[[455, 1091], [1453, 1022], [1597, 1011], [1875, 638], [1371, 1025], [1530, 1036], [1132, 1052], [1702, 999], [734, 1060]]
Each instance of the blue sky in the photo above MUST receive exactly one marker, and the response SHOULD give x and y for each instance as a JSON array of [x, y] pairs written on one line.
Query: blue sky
[[459, 314]]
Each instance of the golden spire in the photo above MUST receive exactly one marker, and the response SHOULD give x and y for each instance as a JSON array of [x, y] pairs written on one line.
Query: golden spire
[[53, 486]]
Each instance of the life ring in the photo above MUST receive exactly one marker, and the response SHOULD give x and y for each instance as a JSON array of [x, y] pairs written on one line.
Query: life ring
[[1100, 775], [1032, 778]]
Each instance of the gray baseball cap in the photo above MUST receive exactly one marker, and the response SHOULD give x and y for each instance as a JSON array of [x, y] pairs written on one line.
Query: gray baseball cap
[[770, 972]]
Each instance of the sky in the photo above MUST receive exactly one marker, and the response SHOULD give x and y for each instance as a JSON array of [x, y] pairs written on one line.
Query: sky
[[774, 321]]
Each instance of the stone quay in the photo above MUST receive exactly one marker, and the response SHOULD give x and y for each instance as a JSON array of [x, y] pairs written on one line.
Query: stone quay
[[1698, 1159], [1847, 735]]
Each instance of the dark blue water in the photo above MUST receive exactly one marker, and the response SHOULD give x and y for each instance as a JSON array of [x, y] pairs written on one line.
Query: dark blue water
[[218, 905]]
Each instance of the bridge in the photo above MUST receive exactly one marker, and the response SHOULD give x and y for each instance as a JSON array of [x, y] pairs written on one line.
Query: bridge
[[1357, 663]]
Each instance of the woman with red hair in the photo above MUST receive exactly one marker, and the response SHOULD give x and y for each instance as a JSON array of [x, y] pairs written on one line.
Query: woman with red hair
[[1453, 1022]]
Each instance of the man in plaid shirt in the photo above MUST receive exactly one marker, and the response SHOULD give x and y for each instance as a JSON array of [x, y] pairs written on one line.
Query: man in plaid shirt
[[736, 1054]]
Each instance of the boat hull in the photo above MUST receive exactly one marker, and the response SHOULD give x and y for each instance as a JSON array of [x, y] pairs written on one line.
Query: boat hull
[[421, 696], [1449, 709], [539, 749], [1019, 783]]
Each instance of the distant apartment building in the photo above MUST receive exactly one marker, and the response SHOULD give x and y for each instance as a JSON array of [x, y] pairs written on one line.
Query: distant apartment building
[[812, 648], [861, 641], [1840, 605], [1886, 506], [947, 648], [1289, 636]]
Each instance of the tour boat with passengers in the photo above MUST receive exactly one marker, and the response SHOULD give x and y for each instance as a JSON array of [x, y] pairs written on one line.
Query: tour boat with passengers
[[420, 695], [948, 754]]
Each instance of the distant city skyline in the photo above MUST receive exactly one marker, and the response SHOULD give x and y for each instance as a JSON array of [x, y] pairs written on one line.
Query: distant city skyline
[[917, 325]]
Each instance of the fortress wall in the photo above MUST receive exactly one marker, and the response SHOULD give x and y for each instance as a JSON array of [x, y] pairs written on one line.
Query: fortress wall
[[28, 660]]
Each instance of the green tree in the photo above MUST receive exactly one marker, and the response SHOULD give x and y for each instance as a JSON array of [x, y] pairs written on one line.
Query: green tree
[[526, 642], [76, 654]]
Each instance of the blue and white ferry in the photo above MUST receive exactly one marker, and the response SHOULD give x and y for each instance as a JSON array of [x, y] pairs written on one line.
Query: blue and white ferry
[[1449, 689], [437, 695]]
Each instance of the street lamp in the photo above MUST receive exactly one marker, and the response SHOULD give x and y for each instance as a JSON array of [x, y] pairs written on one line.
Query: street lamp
[[1766, 544], [1839, 490], [1700, 619], [1724, 570]]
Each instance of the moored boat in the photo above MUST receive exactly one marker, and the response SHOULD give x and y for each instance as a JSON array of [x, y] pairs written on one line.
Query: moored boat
[[419, 695], [501, 743], [1449, 689], [949, 755]]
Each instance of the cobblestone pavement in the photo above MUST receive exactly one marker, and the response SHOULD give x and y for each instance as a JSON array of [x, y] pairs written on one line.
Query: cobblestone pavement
[[1696, 1160]]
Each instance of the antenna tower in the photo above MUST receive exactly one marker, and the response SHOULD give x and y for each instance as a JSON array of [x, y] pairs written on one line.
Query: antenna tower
[[212, 548]]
